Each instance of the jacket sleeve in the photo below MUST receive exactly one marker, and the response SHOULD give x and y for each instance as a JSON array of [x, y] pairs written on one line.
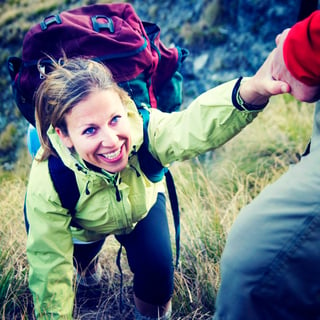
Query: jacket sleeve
[[209, 122], [301, 50], [49, 248]]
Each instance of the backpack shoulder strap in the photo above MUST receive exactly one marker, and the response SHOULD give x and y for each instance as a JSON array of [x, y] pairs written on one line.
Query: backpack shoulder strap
[[149, 165], [155, 172], [65, 183]]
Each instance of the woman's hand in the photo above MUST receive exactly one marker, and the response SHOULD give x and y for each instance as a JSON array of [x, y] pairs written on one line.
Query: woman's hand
[[258, 89]]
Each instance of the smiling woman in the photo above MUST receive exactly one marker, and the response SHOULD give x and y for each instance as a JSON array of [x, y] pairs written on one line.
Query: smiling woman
[[98, 130]]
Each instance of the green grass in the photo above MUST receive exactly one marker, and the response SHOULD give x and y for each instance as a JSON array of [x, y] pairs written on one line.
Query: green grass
[[211, 191], [13, 266]]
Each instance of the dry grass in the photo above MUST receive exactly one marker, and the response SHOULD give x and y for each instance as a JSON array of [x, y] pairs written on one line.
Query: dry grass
[[211, 191]]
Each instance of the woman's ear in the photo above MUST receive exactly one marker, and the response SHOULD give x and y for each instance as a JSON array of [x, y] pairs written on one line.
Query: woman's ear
[[64, 138]]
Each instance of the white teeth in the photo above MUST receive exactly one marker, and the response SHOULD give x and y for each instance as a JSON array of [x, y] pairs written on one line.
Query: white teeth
[[112, 155]]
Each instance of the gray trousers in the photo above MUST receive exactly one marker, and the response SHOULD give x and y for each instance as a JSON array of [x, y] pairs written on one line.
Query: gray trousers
[[270, 267]]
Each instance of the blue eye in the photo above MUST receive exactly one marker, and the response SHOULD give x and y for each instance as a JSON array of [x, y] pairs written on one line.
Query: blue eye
[[89, 131], [115, 119]]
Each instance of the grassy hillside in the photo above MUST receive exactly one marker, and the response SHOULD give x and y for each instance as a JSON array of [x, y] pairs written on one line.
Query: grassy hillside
[[211, 191]]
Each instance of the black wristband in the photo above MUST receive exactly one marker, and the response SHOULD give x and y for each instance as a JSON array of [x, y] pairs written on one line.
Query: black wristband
[[240, 104]]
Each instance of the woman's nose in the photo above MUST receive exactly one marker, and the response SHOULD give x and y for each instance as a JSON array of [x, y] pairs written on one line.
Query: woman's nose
[[109, 138]]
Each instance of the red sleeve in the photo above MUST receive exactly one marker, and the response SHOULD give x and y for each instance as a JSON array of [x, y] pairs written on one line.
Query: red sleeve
[[301, 50]]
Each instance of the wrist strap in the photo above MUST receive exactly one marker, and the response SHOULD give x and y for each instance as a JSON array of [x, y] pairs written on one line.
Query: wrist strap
[[240, 104]]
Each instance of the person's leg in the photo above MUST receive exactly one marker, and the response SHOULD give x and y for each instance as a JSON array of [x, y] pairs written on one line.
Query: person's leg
[[270, 267], [149, 254], [86, 262]]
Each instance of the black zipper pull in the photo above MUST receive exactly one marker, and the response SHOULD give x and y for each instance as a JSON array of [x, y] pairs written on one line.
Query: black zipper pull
[[136, 170], [118, 193], [87, 188]]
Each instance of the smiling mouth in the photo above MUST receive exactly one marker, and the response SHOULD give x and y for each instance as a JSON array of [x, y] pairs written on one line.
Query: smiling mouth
[[112, 155]]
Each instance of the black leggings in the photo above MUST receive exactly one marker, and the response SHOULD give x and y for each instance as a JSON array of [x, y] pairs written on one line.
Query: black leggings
[[149, 254]]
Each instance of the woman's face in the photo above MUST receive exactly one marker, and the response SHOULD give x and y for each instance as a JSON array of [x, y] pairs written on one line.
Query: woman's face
[[99, 131]]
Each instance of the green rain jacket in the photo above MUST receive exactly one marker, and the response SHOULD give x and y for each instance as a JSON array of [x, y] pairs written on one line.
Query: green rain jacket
[[206, 124]]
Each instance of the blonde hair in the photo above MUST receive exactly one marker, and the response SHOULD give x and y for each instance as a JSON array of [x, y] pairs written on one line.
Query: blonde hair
[[70, 82]]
